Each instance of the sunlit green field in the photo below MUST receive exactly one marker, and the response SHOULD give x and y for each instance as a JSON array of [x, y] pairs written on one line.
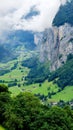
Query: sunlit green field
[[46, 87], [66, 94], [15, 74], [14, 90], [36, 88]]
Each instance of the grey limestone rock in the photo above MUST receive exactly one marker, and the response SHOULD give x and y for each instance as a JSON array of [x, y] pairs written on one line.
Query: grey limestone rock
[[55, 44]]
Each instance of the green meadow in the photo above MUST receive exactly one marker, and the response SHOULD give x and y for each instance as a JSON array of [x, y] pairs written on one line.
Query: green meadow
[[44, 89], [18, 75], [66, 94]]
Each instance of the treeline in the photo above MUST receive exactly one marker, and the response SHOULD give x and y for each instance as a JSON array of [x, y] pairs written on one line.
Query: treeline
[[64, 75], [38, 71], [25, 111], [64, 15]]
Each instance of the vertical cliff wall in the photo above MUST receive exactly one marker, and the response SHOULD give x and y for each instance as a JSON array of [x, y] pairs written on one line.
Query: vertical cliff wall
[[55, 44]]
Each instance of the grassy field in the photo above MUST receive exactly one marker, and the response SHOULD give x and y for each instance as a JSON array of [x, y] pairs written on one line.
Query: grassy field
[[46, 87], [35, 88], [43, 89], [15, 74], [14, 90], [66, 94]]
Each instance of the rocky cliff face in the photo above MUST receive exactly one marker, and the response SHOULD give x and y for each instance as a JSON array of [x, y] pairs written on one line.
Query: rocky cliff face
[[55, 44]]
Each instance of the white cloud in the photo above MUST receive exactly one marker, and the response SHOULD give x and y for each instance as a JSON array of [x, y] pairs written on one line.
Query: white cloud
[[11, 12]]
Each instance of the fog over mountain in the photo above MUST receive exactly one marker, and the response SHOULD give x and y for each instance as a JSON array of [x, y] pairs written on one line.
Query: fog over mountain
[[33, 15]]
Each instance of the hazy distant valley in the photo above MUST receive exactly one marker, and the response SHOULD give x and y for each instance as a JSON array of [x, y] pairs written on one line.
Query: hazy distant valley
[[30, 61]]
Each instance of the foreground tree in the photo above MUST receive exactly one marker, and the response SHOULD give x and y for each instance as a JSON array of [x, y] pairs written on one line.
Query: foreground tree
[[26, 112], [4, 100]]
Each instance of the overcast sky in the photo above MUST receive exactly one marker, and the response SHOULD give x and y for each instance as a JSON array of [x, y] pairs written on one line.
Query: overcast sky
[[12, 11]]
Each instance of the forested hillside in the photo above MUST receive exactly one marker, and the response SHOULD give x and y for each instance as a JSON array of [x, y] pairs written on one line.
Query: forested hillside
[[5, 54], [38, 71], [21, 37], [64, 75], [64, 15]]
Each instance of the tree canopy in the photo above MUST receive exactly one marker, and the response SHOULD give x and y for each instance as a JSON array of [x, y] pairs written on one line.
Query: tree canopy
[[25, 111]]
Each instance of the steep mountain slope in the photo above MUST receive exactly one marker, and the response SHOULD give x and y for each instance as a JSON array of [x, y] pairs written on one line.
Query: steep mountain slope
[[64, 75], [56, 43], [5, 54], [64, 15]]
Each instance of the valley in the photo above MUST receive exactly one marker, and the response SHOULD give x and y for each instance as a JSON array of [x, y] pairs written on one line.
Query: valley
[[15, 79], [36, 65]]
